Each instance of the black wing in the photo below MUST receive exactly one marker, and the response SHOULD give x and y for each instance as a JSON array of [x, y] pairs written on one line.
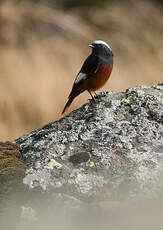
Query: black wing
[[89, 67], [90, 64]]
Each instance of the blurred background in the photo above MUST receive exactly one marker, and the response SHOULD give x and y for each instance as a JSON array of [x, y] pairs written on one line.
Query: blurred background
[[43, 44]]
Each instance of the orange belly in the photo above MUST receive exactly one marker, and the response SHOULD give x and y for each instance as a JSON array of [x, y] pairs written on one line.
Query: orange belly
[[98, 79]]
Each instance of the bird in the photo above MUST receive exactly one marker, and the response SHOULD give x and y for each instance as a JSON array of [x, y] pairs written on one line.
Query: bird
[[94, 72]]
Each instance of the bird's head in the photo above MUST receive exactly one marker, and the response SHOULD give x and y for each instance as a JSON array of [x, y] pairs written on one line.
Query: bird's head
[[101, 48]]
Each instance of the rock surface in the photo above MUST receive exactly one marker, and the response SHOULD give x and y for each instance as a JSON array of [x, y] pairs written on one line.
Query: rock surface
[[110, 149]]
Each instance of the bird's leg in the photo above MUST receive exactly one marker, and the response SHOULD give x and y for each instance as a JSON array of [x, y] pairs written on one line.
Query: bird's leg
[[90, 94]]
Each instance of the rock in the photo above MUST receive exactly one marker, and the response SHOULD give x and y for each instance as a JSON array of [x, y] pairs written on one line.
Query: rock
[[110, 149]]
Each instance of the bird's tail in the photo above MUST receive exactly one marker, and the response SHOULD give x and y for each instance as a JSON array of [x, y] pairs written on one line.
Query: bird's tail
[[72, 95], [68, 104]]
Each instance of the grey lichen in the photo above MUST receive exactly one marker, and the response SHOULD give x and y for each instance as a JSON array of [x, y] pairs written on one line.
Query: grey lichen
[[110, 148]]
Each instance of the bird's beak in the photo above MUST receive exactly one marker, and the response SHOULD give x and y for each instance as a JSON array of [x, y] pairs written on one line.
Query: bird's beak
[[91, 46]]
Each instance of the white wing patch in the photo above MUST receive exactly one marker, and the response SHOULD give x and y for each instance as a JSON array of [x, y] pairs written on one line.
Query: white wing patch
[[80, 77]]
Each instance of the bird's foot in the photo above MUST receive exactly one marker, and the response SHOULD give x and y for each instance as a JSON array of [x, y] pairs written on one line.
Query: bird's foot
[[94, 98]]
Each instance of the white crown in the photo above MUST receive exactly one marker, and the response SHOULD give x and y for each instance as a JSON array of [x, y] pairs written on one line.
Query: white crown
[[101, 42]]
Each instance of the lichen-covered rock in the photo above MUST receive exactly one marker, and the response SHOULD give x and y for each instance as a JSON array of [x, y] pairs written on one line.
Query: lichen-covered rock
[[109, 149]]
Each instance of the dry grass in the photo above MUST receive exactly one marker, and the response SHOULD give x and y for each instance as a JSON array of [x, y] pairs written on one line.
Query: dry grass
[[38, 64]]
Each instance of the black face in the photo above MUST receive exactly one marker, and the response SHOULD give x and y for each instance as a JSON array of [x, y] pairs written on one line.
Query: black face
[[103, 51], [101, 48]]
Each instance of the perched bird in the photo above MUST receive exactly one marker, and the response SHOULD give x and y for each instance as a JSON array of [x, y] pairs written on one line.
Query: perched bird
[[95, 71]]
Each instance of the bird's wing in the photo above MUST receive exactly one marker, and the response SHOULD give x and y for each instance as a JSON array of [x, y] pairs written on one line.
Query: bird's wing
[[89, 67]]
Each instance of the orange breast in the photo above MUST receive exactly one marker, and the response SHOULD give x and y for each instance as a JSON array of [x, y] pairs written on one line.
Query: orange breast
[[98, 79]]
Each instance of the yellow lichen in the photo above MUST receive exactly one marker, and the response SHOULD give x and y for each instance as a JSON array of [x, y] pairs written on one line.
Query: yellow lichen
[[53, 163], [91, 164], [28, 171]]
